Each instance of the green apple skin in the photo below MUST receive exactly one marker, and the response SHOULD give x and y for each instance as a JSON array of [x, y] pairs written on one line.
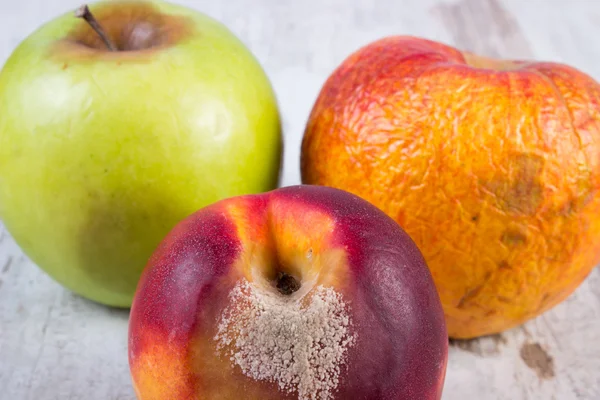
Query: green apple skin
[[102, 153]]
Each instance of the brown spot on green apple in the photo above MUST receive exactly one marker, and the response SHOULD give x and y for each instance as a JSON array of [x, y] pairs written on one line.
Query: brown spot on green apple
[[121, 228]]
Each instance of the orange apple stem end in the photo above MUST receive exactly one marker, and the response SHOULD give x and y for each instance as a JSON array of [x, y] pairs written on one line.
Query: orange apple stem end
[[85, 13]]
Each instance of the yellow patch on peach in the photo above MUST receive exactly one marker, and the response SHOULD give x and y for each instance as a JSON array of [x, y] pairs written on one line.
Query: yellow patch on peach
[[289, 238], [160, 370]]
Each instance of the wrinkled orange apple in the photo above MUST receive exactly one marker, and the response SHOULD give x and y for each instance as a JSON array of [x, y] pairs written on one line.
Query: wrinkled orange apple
[[491, 166]]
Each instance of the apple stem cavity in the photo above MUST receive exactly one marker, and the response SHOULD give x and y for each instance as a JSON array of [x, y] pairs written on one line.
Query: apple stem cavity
[[85, 13], [286, 283]]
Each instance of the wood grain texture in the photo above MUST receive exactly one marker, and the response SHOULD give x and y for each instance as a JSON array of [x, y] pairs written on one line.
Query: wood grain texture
[[57, 346]]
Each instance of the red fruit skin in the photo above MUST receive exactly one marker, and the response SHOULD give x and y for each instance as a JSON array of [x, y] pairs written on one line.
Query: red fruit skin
[[177, 283], [402, 344]]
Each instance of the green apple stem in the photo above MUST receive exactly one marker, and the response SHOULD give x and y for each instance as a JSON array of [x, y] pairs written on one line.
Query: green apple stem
[[85, 13]]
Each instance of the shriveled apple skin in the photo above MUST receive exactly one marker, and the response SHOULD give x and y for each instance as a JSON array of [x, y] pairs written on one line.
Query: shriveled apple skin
[[492, 168], [102, 153], [401, 347]]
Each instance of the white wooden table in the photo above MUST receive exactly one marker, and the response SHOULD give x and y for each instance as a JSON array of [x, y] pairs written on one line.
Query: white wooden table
[[57, 346]]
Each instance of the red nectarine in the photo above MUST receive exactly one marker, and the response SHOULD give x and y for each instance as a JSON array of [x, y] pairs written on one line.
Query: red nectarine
[[304, 292]]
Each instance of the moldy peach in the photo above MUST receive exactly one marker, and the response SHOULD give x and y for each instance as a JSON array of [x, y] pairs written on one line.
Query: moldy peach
[[303, 292]]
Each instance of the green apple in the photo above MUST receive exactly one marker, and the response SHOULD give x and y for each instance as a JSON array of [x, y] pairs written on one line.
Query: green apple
[[102, 152]]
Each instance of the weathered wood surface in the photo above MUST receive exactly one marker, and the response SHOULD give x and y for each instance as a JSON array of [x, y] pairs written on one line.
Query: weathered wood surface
[[57, 346]]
